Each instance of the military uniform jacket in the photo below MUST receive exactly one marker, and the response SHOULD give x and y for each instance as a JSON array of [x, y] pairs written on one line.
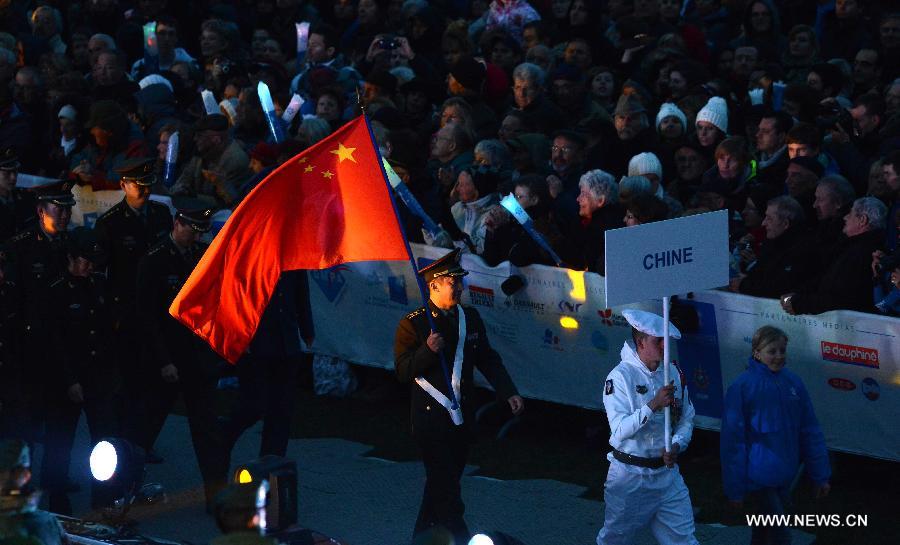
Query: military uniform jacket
[[126, 236], [413, 358], [16, 213], [161, 274], [81, 330], [9, 321], [634, 428], [37, 261]]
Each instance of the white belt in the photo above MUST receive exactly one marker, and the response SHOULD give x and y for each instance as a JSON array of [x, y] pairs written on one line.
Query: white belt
[[455, 413]]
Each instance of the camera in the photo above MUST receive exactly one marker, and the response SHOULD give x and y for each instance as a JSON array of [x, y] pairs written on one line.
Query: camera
[[388, 42], [834, 115], [888, 263]]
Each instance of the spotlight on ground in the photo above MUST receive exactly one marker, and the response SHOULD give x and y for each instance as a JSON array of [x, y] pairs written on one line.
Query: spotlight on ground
[[118, 467], [494, 538], [281, 498]]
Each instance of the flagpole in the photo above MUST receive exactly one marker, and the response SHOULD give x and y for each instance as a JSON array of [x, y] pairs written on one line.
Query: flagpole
[[454, 403]]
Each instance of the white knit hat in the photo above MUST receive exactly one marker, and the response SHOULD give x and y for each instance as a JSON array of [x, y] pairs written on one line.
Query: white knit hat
[[671, 110], [715, 112], [154, 79], [67, 112], [645, 163]]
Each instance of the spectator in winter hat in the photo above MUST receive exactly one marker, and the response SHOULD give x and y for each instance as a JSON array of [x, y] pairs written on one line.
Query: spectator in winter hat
[[671, 123], [712, 122]]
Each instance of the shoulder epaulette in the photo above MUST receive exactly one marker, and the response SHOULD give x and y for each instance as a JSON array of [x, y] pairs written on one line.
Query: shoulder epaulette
[[18, 237], [156, 249], [415, 313], [112, 211], [57, 282]]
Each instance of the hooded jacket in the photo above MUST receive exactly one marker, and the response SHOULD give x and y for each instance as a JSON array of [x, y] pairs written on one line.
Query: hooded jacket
[[768, 428]]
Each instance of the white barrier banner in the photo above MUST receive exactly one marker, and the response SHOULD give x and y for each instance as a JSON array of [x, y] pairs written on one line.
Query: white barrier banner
[[559, 343]]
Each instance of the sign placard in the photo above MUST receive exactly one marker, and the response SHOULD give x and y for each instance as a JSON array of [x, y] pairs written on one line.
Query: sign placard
[[666, 258]]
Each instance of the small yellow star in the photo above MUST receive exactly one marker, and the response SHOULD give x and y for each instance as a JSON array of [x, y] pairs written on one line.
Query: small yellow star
[[302, 160], [328, 174], [344, 153], [309, 168]]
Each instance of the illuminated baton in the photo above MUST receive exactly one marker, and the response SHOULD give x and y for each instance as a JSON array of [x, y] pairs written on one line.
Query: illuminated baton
[[171, 160], [209, 102], [293, 107], [409, 199], [151, 47], [302, 40], [513, 207], [268, 107]]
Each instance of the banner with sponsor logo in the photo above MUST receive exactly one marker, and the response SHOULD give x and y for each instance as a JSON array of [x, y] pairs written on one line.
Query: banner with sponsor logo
[[559, 342]]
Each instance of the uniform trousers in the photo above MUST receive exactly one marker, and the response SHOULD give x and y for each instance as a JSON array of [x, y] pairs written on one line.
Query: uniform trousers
[[769, 501], [444, 456], [635, 500], [198, 389], [266, 390]]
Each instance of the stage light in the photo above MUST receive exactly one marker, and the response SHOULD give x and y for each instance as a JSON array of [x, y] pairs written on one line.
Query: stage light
[[103, 461], [281, 496], [118, 467], [494, 538]]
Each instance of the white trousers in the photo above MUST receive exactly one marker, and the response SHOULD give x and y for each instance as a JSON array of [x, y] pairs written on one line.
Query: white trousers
[[634, 500]]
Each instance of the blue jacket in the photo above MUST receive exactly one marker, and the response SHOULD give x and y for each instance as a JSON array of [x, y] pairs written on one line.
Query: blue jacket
[[768, 428]]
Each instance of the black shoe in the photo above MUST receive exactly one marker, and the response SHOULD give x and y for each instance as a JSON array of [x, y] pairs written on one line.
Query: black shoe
[[154, 458]]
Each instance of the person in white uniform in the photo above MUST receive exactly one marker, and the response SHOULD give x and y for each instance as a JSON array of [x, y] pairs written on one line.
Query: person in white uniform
[[643, 486]]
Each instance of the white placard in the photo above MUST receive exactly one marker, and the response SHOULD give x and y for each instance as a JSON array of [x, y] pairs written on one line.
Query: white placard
[[666, 258]]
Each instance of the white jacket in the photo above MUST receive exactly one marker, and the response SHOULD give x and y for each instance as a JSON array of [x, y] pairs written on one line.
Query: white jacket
[[634, 428]]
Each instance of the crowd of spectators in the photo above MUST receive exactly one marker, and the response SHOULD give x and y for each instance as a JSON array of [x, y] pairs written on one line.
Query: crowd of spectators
[[594, 115]]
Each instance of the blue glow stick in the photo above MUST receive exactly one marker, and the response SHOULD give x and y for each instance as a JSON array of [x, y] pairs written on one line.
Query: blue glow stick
[[302, 39], [409, 199], [268, 107], [209, 102], [510, 203], [171, 160], [778, 95]]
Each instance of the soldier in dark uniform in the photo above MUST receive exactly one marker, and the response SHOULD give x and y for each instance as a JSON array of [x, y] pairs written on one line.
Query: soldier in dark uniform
[[82, 380], [126, 231], [445, 444], [37, 257], [174, 359], [16, 205], [268, 372], [10, 373]]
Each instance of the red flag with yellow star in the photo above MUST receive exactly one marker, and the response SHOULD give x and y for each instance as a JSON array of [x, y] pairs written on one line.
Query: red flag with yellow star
[[326, 206]]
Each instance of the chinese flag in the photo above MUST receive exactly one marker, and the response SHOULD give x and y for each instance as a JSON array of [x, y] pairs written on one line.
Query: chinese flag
[[326, 206]]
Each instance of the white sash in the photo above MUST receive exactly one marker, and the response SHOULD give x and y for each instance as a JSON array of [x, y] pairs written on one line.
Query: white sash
[[455, 414]]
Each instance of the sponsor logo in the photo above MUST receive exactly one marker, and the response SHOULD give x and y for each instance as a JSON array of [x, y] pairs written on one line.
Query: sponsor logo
[[641, 389], [481, 296], [568, 306], [612, 320], [841, 384], [551, 340], [525, 305], [870, 389], [610, 388], [331, 281], [854, 355]]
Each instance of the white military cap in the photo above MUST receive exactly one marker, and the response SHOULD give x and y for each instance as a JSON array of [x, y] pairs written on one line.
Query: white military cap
[[649, 323]]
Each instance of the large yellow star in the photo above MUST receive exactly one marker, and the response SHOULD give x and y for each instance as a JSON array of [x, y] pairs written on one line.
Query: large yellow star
[[344, 153], [328, 174]]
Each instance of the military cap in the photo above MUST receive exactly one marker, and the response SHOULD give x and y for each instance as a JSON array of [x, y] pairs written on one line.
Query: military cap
[[448, 265], [212, 122], [83, 242], [199, 220], [9, 160], [138, 170], [59, 194], [649, 323]]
